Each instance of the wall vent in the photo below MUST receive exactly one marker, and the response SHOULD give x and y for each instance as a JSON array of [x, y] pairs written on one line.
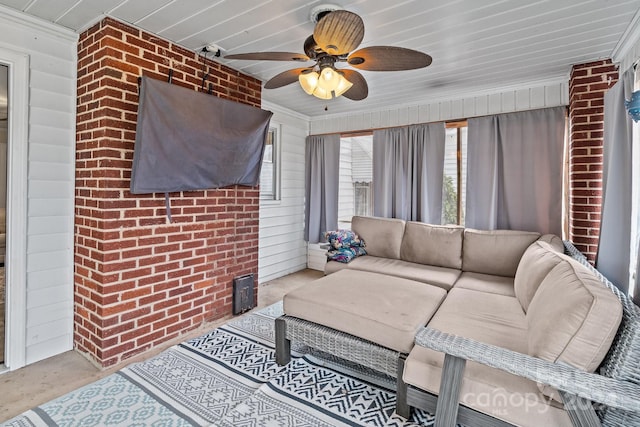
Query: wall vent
[[242, 293]]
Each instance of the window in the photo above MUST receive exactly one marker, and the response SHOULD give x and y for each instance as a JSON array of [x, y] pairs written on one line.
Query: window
[[454, 184], [363, 198], [355, 193], [270, 172]]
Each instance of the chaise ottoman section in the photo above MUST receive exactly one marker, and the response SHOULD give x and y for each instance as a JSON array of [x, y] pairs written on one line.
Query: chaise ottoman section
[[383, 309]]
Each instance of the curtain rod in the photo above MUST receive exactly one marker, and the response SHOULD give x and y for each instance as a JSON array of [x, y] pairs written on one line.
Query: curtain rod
[[363, 132], [452, 123]]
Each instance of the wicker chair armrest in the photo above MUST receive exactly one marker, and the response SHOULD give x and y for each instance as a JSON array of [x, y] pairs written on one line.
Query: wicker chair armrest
[[597, 388]]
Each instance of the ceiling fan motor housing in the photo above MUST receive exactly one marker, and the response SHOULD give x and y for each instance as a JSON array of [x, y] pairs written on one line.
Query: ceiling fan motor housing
[[326, 61], [321, 10], [311, 48]]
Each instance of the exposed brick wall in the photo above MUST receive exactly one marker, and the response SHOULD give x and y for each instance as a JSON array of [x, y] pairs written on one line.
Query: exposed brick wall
[[139, 280], [587, 86]]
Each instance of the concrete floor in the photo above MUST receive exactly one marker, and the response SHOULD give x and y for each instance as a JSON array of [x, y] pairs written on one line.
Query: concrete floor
[[43, 381]]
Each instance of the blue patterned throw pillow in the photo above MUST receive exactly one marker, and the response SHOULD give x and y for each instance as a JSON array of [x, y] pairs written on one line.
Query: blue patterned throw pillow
[[345, 254], [345, 245], [343, 239]]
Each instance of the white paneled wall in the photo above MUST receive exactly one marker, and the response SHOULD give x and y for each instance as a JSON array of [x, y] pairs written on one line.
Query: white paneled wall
[[281, 248], [549, 94], [47, 327]]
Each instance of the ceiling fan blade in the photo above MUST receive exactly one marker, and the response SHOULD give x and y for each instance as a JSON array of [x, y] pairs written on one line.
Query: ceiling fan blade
[[388, 58], [360, 89], [339, 32], [284, 78], [269, 56]]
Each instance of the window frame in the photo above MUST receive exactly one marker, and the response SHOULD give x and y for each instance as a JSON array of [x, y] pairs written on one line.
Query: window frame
[[344, 222], [16, 210], [275, 132], [458, 125]]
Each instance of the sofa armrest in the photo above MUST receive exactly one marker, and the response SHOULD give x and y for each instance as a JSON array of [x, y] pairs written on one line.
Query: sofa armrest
[[597, 388]]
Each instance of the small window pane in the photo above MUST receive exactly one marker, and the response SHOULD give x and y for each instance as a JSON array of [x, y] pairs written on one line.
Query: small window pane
[[269, 172], [355, 193], [463, 173], [450, 182], [455, 168]]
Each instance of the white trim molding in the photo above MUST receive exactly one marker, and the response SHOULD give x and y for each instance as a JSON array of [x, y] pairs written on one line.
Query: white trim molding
[[38, 24], [283, 110], [623, 53], [16, 242]]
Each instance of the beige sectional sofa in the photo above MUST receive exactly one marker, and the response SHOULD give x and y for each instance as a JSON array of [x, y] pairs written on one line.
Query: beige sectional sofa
[[443, 256], [513, 290]]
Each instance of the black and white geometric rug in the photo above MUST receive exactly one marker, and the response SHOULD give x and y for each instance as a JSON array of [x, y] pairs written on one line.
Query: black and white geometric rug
[[229, 377]]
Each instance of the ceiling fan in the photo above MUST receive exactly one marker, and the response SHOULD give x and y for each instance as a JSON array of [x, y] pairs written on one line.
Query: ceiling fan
[[336, 34]]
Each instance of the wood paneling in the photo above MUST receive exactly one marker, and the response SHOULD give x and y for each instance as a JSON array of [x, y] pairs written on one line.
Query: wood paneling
[[476, 46]]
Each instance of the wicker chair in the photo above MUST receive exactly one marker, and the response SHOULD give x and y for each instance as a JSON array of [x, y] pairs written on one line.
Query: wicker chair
[[610, 397]]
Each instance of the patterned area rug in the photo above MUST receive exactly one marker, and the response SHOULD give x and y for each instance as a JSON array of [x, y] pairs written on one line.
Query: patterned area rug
[[229, 377]]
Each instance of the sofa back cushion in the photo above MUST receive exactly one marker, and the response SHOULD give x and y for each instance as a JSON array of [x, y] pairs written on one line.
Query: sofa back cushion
[[573, 318], [536, 262], [495, 252], [555, 242], [382, 236], [432, 244]]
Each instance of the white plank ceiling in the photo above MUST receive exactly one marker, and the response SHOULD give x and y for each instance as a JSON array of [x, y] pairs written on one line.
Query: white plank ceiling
[[476, 45]]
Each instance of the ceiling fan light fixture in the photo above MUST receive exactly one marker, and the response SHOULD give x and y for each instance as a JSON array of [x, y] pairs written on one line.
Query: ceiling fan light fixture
[[322, 93], [327, 84], [309, 81], [343, 86], [329, 79]]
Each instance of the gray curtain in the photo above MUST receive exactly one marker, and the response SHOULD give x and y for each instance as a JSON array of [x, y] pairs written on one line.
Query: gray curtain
[[408, 166], [390, 148], [322, 164], [614, 247], [514, 171]]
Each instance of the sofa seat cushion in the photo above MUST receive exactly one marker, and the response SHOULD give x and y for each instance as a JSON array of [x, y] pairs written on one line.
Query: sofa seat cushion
[[439, 245], [382, 309], [333, 266], [493, 319], [496, 252], [439, 276], [486, 283]]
